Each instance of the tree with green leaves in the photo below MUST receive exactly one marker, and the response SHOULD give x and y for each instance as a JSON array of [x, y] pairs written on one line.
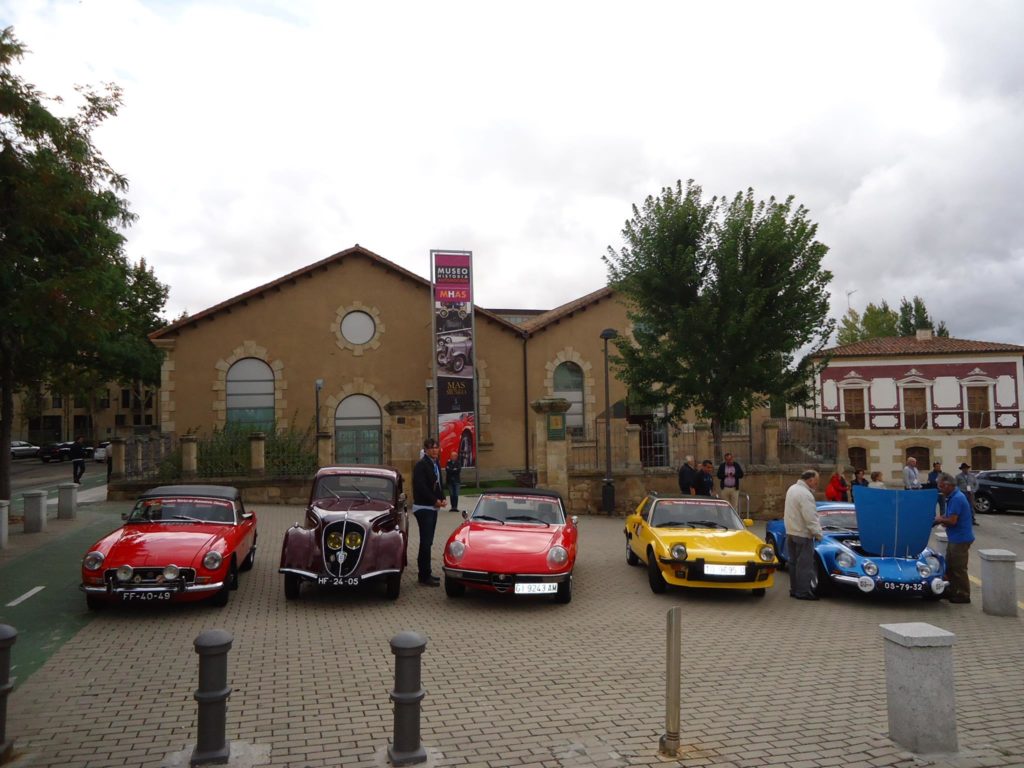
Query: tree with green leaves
[[72, 307], [880, 321], [722, 295]]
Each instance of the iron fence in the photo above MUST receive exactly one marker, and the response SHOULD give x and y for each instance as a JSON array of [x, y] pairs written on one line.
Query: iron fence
[[807, 440], [149, 458]]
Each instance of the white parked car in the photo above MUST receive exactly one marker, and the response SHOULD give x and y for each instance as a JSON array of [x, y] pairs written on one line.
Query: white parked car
[[99, 453]]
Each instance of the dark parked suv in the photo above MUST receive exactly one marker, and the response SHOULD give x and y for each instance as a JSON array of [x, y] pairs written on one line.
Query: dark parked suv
[[999, 489]]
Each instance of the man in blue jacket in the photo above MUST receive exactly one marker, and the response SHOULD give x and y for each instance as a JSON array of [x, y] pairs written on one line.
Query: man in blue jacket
[[957, 522], [427, 498]]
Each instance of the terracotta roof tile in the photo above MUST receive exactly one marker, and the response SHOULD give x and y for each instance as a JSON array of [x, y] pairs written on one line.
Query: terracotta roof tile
[[900, 346], [541, 321]]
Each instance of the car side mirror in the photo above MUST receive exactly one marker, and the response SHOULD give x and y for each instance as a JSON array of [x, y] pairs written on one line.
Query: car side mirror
[[575, 519], [246, 515], [402, 500], [465, 514], [748, 522]]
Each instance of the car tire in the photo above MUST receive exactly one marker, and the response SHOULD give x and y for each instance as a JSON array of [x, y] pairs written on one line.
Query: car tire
[[292, 586], [393, 586], [220, 598], [822, 584], [454, 587], [250, 559], [654, 577], [759, 592], [94, 603], [631, 558], [564, 593], [983, 504], [458, 363]]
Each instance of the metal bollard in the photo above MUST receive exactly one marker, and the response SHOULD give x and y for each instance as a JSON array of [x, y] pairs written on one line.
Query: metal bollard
[[668, 744], [212, 645], [406, 748], [7, 637]]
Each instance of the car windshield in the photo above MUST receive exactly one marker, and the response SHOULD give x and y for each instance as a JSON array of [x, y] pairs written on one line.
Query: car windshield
[[838, 521], [182, 510], [364, 487], [532, 510], [676, 513]]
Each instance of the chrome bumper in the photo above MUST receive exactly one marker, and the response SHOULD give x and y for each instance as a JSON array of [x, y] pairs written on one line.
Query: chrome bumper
[[120, 590]]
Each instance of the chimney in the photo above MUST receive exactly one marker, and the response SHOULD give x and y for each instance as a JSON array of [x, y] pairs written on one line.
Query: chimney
[[924, 334]]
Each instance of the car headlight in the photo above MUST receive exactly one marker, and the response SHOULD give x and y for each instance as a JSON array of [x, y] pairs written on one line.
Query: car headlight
[[678, 552], [924, 569], [92, 561], [171, 572], [933, 563], [334, 540], [353, 539], [456, 550], [870, 568], [845, 560], [212, 560], [557, 555], [766, 553]]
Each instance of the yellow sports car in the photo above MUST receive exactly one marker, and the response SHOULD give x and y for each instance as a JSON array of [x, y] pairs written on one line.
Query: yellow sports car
[[697, 541]]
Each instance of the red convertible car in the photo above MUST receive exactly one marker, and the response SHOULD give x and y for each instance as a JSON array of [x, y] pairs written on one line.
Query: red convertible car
[[180, 543], [517, 541], [457, 438], [356, 530]]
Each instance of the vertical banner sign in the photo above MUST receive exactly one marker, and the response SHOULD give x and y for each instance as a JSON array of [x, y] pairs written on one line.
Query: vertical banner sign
[[454, 368]]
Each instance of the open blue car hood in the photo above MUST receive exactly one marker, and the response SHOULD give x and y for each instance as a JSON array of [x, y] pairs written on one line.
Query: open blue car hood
[[894, 523]]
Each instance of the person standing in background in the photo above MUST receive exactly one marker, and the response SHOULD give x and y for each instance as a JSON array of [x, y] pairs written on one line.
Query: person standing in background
[[802, 530], [729, 474], [453, 478], [427, 498], [77, 455], [704, 482], [910, 479], [960, 533], [687, 477]]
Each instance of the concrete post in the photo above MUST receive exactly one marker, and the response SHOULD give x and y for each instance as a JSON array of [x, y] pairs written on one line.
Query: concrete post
[[633, 460], [324, 456], [35, 511], [998, 582], [67, 501], [7, 637], [117, 462], [258, 453], [212, 746], [406, 748], [919, 687], [842, 445], [771, 443], [668, 745], [5, 509], [189, 456]]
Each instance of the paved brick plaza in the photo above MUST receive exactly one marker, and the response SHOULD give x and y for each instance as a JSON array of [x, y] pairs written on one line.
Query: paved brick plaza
[[766, 682]]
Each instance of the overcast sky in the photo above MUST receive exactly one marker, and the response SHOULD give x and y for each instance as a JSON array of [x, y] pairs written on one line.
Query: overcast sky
[[260, 136]]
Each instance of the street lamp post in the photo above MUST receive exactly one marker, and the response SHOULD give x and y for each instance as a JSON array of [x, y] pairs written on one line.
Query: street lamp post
[[430, 388], [608, 486], [317, 386]]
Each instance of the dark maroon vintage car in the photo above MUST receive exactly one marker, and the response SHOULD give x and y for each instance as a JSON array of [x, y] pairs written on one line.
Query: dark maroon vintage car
[[356, 529]]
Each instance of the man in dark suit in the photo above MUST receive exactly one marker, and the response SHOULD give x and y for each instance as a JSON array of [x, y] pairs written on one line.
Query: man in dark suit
[[427, 498]]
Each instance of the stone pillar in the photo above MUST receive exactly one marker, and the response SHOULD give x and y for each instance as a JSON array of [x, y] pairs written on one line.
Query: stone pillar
[[633, 462], [5, 508], [139, 455], [258, 454], [551, 456], [35, 511], [408, 431], [189, 458], [842, 446], [704, 447], [919, 687], [771, 443], [998, 582], [116, 458], [67, 501], [324, 453]]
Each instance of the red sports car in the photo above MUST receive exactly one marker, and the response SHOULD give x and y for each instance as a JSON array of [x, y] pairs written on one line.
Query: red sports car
[[180, 543], [458, 438], [517, 541]]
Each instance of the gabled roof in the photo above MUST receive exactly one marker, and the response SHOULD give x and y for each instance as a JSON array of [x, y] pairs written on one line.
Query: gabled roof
[[356, 251], [902, 346], [581, 304]]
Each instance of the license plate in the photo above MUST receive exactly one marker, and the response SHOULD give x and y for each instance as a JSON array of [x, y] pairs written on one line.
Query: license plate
[[129, 596], [899, 587], [338, 581], [724, 570], [536, 589]]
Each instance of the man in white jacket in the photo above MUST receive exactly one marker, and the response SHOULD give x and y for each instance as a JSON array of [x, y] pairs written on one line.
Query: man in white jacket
[[802, 530]]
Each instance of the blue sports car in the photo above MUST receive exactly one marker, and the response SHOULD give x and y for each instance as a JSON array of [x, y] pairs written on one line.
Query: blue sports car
[[841, 560]]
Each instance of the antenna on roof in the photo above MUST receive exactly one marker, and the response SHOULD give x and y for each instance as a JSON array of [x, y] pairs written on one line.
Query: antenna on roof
[[848, 295]]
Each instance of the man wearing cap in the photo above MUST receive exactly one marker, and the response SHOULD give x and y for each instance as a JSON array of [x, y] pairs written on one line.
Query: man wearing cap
[[967, 484]]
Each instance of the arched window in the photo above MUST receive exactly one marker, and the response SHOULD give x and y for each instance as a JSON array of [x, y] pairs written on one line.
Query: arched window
[[858, 458], [357, 431], [981, 458], [568, 381], [250, 395]]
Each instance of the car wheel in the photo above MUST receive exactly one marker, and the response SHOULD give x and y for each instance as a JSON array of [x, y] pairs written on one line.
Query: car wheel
[[454, 587], [821, 584], [654, 577], [458, 363], [631, 558], [292, 584], [759, 592], [564, 594], [250, 559], [220, 599], [94, 603], [983, 504], [392, 586]]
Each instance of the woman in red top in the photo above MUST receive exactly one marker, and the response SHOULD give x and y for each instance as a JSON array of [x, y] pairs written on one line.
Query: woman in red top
[[837, 488]]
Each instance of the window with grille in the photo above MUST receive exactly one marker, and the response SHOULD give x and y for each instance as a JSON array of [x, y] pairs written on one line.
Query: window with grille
[[568, 384], [858, 458], [915, 408], [978, 416], [924, 459]]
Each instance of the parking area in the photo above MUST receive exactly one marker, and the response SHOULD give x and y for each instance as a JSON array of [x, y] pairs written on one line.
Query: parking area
[[510, 681]]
